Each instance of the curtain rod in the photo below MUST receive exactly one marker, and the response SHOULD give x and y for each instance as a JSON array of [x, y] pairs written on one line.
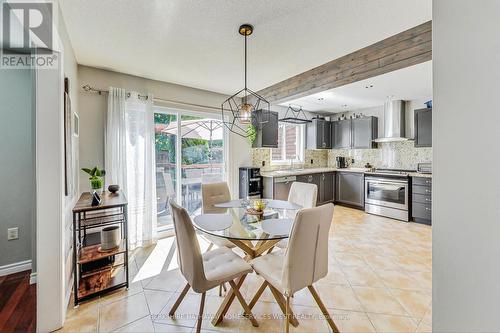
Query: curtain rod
[[88, 88]]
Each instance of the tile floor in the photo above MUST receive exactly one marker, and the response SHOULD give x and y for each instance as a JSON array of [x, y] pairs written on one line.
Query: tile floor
[[379, 280]]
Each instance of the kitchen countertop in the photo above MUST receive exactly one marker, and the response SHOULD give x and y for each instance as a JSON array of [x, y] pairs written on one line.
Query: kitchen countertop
[[418, 174], [307, 171]]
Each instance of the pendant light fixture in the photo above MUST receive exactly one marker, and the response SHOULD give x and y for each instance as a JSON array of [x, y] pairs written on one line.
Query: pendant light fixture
[[295, 115], [246, 107]]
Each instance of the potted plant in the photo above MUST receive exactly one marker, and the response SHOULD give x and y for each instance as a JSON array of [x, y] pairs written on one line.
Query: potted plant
[[96, 178]]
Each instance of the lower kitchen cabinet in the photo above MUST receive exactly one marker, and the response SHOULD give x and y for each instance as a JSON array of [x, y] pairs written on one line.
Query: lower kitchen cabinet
[[350, 188], [326, 190], [421, 210]]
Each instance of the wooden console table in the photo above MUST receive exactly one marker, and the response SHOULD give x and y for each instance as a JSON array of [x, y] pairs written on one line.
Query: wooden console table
[[97, 272]]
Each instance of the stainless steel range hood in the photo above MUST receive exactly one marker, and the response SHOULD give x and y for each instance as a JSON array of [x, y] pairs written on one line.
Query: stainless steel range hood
[[394, 122]]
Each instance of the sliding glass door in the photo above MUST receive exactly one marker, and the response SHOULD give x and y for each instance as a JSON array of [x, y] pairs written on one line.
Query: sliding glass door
[[190, 150]]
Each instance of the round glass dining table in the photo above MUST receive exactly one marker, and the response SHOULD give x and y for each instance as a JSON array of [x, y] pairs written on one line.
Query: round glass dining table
[[254, 234], [236, 222]]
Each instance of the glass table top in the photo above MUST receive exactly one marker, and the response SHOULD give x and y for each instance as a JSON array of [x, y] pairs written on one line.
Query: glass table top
[[232, 220]]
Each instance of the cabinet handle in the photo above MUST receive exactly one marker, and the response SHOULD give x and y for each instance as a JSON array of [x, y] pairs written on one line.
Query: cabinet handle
[[426, 208], [427, 191], [426, 199], [427, 182]]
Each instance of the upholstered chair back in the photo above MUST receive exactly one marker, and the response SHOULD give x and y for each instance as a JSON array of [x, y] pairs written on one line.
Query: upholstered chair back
[[190, 259], [212, 194], [306, 257], [303, 194]]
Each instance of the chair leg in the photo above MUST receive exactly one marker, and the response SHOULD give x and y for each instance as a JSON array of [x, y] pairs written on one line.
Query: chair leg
[[323, 309], [258, 294], [282, 304], [248, 311], [200, 313], [222, 286], [287, 314], [179, 300]]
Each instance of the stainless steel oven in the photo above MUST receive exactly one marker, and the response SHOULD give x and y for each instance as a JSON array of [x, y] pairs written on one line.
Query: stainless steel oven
[[387, 196]]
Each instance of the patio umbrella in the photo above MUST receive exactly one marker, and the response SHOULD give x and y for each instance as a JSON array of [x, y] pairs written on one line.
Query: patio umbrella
[[205, 129]]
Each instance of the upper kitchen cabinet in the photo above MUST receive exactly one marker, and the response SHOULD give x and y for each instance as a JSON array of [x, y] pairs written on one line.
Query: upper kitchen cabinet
[[341, 134], [423, 127], [364, 131], [319, 134], [355, 133], [267, 135]]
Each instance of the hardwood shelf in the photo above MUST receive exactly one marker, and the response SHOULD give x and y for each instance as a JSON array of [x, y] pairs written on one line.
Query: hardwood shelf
[[99, 282], [91, 253]]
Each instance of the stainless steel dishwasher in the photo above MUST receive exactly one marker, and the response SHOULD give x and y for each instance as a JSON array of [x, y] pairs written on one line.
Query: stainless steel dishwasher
[[282, 187]]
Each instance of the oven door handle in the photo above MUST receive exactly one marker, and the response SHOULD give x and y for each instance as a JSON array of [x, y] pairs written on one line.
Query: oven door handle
[[385, 181], [388, 187]]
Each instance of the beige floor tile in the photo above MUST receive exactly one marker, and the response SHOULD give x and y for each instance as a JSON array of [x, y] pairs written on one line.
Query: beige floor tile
[[378, 300], [143, 325], [157, 300], [165, 328], [379, 262], [352, 322], [424, 328], [427, 319], [399, 280], [392, 324], [334, 296], [335, 276], [424, 279], [412, 264], [362, 276], [167, 281], [122, 312], [269, 317], [415, 303], [84, 318], [349, 259]]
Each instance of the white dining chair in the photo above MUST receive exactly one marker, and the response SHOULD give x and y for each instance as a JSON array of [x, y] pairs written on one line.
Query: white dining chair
[[208, 270], [304, 195], [304, 262], [212, 194]]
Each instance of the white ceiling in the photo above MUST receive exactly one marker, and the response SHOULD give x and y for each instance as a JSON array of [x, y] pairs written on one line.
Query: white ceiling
[[195, 43], [409, 83]]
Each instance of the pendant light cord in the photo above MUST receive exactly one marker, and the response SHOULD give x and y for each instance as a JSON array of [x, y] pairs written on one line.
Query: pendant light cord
[[245, 68]]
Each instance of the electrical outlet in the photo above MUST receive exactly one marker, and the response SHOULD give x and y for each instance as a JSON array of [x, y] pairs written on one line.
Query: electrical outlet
[[13, 233], [312, 161]]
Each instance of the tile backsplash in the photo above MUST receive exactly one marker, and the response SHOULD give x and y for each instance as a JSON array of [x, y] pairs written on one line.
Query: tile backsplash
[[259, 155], [395, 155]]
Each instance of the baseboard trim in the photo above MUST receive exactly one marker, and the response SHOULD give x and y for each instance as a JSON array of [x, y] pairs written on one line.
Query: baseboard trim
[[33, 278], [15, 267]]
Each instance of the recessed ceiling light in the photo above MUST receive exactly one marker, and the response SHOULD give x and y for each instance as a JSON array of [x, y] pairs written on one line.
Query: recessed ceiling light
[[321, 98], [344, 106], [368, 86]]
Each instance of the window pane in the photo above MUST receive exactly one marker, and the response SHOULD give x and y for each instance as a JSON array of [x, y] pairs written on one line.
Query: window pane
[[276, 152]]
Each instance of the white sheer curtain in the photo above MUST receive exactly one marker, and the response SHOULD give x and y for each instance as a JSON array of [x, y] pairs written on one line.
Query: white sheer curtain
[[130, 160]]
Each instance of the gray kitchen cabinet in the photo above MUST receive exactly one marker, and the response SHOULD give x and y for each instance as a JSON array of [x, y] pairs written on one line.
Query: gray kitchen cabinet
[[350, 189], [355, 133], [319, 134], [423, 127], [364, 131], [326, 190], [341, 134], [313, 179], [421, 210], [267, 134]]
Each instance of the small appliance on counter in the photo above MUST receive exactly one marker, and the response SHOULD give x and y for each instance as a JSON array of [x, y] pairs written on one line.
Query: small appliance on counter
[[341, 162], [250, 183], [424, 168]]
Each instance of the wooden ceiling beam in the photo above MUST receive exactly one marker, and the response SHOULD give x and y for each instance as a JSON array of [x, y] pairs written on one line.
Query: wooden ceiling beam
[[405, 49]]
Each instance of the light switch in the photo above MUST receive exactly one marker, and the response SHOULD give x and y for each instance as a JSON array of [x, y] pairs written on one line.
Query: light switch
[[13, 233]]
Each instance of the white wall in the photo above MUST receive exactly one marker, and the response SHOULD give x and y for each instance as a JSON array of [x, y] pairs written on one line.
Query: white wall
[[466, 196], [93, 111]]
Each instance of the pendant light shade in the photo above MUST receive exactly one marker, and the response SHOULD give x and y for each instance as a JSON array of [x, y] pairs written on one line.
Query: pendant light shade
[[245, 107]]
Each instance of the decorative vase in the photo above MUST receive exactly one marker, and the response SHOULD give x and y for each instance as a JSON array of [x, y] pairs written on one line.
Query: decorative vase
[[97, 184]]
